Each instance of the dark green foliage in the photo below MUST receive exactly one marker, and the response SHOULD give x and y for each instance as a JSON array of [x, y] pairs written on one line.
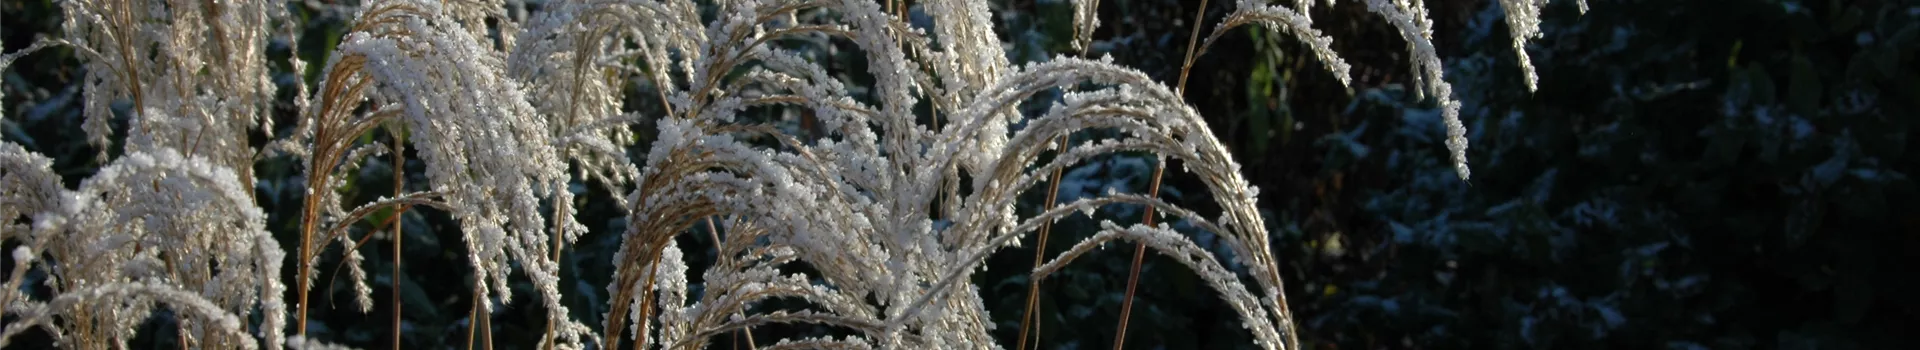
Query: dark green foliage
[[1690, 174]]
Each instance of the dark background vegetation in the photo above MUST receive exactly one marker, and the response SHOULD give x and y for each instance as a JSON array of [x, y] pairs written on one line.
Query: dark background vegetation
[[1690, 174]]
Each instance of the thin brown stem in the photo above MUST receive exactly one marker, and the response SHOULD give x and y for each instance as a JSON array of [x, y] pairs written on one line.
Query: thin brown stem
[[473, 316], [312, 216], [1040, 254], [1187, 64], [399, 183], [1140, 249], [486, 331], [1029, 321], [1139, 255]]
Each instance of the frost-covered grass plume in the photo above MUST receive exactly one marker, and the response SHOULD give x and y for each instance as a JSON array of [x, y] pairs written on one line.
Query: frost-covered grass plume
[[895, 195]]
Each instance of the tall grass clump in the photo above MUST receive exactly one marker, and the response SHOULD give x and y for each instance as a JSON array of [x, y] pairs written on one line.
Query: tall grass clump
[[871, 221]]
